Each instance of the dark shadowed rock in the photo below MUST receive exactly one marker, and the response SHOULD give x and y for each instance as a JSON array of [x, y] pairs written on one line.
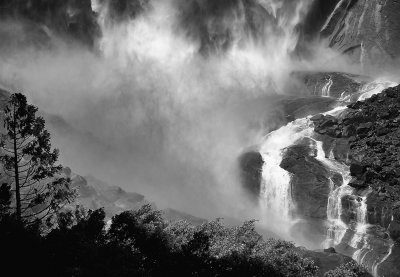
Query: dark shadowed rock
[[364, 128], [310, 183], [317, 117], [349, 130], [394, 230], [357, 169], [350, 203], [357, 183], [251, 164], [330, 250]]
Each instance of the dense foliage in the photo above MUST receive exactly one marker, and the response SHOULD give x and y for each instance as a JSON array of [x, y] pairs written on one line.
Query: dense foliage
[[141, 243], [351, 269]]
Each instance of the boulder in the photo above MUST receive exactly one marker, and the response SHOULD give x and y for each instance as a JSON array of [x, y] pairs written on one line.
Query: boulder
[[328, 121], [341, 149], [349, 131], [358, 184], [357, 169], [251, 164], [317, 117], [364, 128], [394, 230], [330, 250], [349, 209], [310, 182]]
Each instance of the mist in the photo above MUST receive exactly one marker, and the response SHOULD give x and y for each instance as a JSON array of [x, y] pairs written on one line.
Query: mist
[[160, 110]]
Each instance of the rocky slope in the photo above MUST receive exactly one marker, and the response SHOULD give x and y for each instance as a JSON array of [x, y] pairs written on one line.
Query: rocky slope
[[370, 134], [95, 194], [362, 140]]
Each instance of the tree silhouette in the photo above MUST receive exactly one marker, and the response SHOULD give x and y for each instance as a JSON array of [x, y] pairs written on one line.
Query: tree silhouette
[[29, 162]]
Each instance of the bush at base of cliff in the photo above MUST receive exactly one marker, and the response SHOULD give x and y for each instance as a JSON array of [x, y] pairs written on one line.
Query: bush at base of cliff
[[348, 270], [141, 243]]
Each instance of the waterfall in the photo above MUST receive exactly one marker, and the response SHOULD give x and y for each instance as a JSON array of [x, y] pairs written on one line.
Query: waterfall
[[276, 190], [338, 5], [326, 90], [376, 265]]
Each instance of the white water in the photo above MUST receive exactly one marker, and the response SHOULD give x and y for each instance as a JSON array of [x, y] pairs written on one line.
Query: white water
[[326, 90], [276, 189], [331, 15], [276, 197], [375, 267], [375, 87], [337, 228]]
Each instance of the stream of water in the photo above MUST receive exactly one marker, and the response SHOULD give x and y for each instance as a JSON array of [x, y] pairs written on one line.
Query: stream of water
[[276, 183]]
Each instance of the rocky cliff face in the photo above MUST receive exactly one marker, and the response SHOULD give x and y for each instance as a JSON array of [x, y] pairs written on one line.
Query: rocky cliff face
[[368, 31], [71, 19], [372, 132]]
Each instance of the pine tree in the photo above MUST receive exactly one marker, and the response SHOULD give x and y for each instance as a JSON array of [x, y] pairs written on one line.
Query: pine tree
[[29, 162]]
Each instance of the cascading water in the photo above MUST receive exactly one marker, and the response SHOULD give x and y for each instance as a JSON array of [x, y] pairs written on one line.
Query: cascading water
[[327, 88], [276, 188], [276, 191]]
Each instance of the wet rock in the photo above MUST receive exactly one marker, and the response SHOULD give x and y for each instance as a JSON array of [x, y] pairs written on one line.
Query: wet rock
[[343, 85], [349, 209], [328, 121], [349, 130], [337, 179], [358, 184], [251, 164], [330, 250], [317, 117], [364, 128], [357, 169], [394, 230], [310, 183], [391, 266]]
